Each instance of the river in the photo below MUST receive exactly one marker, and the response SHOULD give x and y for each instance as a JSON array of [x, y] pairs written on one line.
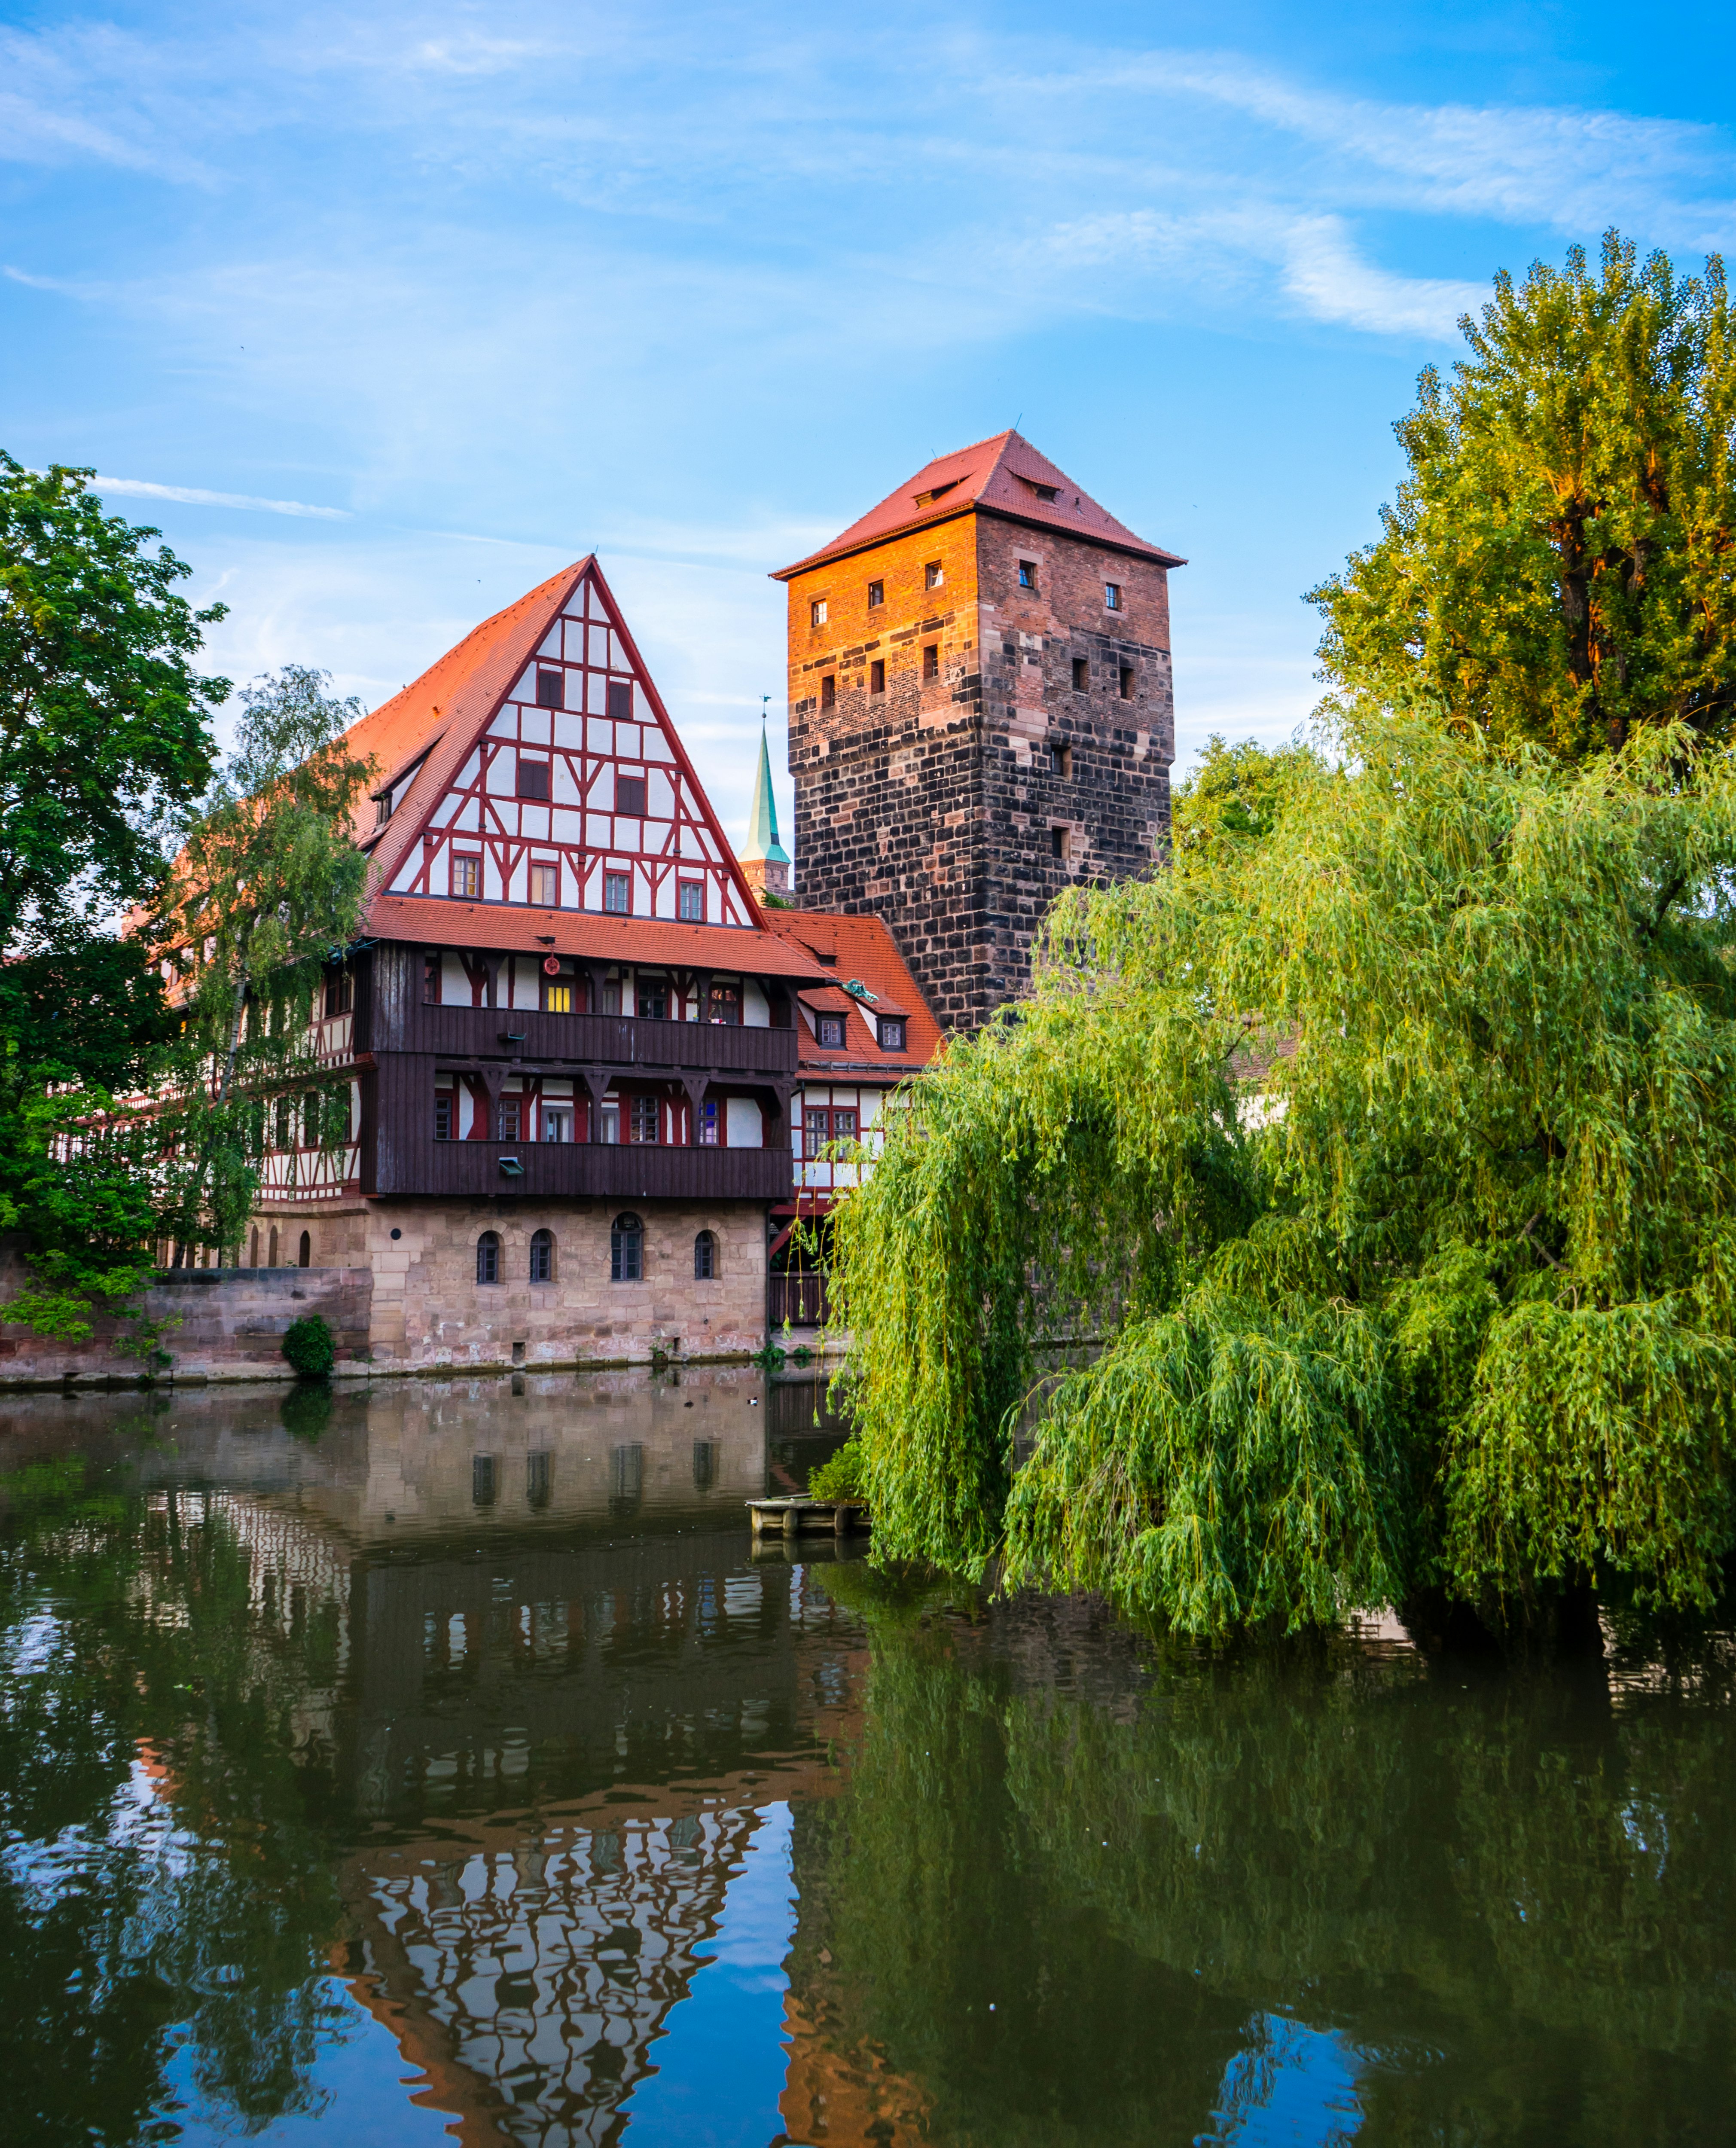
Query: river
[[444, 1762]]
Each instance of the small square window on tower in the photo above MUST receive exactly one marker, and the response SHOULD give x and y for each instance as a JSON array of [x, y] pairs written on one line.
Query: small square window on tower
[[533, 778], [691, 897], [876, 595], [1128, 682], [545, 886], [816, 612], [931, 661], [630, 796], [1111, 596], [620, 700], [1027, 574], [1060, 844], [932, 575], [550, 690], [466, 876], [829, 691], [618, 893], [877, 676], [1082, 674]]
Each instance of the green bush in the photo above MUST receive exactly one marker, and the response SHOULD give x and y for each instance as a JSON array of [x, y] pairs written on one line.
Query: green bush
[[841, 1477], [308, 1346]]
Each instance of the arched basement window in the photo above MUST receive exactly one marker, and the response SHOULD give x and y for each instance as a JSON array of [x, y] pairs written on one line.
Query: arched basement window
[[542, 1257], [305, 1259], [626, 1250], [271, 1259], [488, 1257], [704, 1258]]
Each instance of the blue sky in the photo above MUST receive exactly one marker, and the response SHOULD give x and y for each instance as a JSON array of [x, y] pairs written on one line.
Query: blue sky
[[405, 307]]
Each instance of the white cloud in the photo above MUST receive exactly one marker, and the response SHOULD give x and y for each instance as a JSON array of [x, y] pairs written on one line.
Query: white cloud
[[193, 495], [1330, 281]]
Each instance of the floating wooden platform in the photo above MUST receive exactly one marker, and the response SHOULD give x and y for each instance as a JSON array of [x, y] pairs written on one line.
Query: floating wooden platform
[[787, 1516]]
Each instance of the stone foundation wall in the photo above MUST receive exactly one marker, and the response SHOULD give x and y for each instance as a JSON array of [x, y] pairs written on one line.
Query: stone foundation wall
[[430, 1311], [397, 1281]]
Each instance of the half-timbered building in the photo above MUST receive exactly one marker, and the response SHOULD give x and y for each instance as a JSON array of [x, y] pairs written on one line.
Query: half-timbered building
[[579, 1049]]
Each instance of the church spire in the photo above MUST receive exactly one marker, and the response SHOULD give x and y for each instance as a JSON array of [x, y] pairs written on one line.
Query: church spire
[[764, 860]]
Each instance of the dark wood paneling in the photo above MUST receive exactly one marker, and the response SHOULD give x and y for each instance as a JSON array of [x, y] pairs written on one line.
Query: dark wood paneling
[[592, 1040], [571, 1170]]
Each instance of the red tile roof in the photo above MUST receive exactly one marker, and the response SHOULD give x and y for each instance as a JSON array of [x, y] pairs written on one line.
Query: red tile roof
[[433, 922], [998, 476], [866, 954]]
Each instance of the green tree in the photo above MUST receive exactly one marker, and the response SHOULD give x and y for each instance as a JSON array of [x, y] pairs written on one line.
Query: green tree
[[265, 891], [105, 720], [1558, 566], [1390, 1158], [1232, 798]]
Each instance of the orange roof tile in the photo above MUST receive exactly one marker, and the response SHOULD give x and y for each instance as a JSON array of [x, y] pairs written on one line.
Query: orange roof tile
[[866, 954], [997, 476], [436, 921]]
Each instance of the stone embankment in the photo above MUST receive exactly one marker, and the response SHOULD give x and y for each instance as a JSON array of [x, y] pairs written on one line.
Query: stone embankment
[[215, 1324]]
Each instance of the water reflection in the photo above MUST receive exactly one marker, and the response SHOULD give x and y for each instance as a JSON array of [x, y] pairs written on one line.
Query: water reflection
[[453, 1764]]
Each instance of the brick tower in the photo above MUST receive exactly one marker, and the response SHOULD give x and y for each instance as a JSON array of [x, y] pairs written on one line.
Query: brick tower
[[980, 713]]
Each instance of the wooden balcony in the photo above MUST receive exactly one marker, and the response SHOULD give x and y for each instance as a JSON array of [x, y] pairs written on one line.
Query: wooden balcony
[[625, 1171], [673, 1048]]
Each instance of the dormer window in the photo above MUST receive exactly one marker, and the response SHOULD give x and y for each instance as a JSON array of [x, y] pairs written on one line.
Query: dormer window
[[383, 802], [1042, 491], [550, 690], [936, 492], [892, 1032], [831, 1033]]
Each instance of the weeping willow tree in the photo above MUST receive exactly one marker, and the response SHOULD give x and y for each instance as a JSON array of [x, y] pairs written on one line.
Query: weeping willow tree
[[265, 893], [1383, 1159]]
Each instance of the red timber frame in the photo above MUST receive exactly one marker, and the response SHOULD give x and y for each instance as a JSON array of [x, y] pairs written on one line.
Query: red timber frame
[[574, 828]]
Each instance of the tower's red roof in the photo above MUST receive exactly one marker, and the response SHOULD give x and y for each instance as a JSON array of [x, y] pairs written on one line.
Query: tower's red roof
[[1005, 476]]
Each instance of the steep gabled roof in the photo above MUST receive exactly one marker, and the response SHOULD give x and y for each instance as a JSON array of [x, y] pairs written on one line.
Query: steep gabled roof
[[1005, 476], [427, 731]]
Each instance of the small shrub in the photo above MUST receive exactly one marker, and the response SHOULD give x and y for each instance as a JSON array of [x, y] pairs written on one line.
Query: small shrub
[[309, 1348], [841, 1478]]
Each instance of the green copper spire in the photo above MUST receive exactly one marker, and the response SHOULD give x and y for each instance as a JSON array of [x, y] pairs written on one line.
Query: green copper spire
[[766, 858]]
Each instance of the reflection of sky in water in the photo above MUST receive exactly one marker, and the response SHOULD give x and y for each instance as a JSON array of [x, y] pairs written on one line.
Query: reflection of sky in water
[[359, 2092], [720, 2058], [1293, 2087]]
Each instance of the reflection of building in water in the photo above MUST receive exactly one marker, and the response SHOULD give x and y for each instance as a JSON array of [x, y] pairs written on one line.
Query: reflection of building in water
[[529, 1983], [642, 1689]]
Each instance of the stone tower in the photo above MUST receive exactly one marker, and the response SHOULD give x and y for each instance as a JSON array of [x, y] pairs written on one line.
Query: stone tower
[[980, 714]]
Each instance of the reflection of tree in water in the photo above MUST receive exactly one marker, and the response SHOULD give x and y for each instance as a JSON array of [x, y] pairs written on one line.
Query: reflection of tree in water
[[162, 1773], [1510, 1903]]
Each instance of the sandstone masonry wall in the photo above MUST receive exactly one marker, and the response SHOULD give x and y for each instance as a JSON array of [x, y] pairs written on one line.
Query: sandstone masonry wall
[[430, 1311], [229, 1323]]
